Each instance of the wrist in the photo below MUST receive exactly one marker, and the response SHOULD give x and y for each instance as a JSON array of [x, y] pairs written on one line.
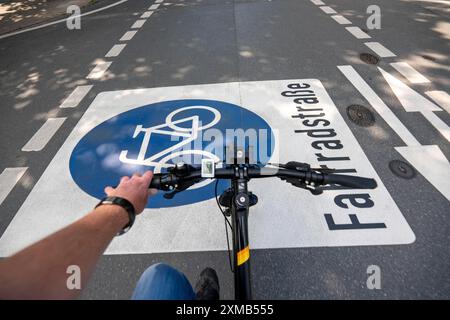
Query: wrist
[[124, 205], [115, 214]]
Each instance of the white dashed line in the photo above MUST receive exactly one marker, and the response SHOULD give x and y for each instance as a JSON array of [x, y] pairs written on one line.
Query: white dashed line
[[442, 98], [76, 96], [383, 110], [115, 50], [438, 124], [138, 24], [357, 33], [380, 50], [153, 7], [146, 14], [99, 70], [159, 1], [128, 35], [43, 135], [341, 19], [8, 179], [409, 72], [318, 2], [328, 10]]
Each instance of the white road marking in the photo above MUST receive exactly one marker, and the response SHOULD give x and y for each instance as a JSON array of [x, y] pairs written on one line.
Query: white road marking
[[51, 203], [99, 70], [328, 10], [383, 110], [159, 1], [8, 179], [40, 139], [61, 20], [153, 7], [76, 96], [438, 124], [146, 14], [318, 2], [431, 163], [380, 50], [128, 35], [442, 98], [138, 24], [358, 33], [341, 19], [410, 99], [409, 72], [115, 50]]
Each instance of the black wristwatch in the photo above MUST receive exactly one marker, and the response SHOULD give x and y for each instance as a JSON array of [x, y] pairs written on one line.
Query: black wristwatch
[[124, 203]]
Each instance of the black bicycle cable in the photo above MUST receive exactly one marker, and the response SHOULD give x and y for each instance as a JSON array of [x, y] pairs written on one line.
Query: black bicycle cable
[[226, 227]]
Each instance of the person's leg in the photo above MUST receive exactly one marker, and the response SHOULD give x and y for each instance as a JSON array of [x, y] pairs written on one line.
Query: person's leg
[[162, 282]]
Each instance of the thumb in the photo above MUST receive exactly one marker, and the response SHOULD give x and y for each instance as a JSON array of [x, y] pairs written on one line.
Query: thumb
[[108, 190]]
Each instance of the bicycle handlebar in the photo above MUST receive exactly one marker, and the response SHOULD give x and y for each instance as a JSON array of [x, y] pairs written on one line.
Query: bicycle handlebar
[[168, 181]]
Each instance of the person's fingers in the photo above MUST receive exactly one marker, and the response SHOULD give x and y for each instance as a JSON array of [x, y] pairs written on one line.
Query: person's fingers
[[136, 175], [109, 189], [152, 192], [147, 177], [125, 178]]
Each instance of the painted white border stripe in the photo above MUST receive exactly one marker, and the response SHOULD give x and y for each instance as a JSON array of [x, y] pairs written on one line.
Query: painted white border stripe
[[383, 110], [341, 19], [146, 14], [128, 35], [380, 50], [327, 9], [159, 1], [99, 70], [318, 2], [115, 50], [8, 179], [138, 24], [76, 96], [438, 124], [62, 20], [153, 7], [358, 33], [442, 98], [44, 134], [409, 72]]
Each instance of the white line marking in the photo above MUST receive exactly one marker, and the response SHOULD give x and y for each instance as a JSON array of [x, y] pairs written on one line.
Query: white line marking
[[153, 7], [442, 98], [327, 9], [410, 99], [128, 35], [138, 24], [380, 50], [159, 1], [431, 163], [318, 2], [383, 110], [61, 20], [146, 14], [76, 96], [409, 72], [99, 70], [341, 19], [358, 33], [115, 50], [438, 124], [8, 179], [43, 135]]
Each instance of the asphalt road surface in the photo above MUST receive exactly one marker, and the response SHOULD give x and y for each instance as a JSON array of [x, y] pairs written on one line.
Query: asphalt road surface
[[56, 82]]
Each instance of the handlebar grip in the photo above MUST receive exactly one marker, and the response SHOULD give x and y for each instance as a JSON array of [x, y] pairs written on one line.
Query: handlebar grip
[[156, 181], [350, 181]]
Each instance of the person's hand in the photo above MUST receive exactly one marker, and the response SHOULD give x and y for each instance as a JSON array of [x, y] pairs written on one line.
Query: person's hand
[[134, 189]]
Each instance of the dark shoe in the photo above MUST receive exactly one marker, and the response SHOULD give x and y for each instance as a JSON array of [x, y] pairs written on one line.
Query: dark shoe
[[207, 286]]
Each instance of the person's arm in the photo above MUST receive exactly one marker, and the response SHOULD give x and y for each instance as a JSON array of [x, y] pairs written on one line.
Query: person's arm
[[40, 271]]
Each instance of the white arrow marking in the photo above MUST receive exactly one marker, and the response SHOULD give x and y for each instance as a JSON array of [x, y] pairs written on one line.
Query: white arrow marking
[[410, 99], [431, 163], [442, 98], [378, 104], [409, 72]]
